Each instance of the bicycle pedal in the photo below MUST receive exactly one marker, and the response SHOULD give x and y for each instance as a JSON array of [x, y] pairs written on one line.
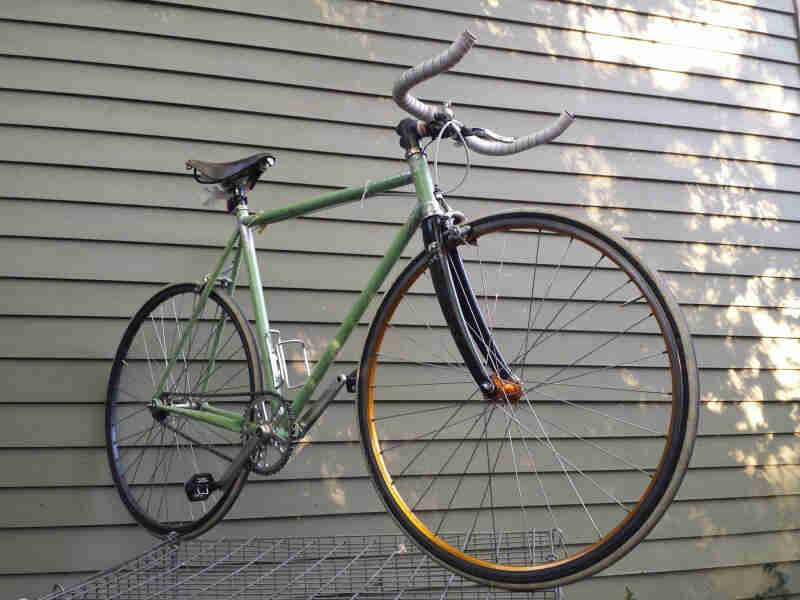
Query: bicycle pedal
[[199, 487]]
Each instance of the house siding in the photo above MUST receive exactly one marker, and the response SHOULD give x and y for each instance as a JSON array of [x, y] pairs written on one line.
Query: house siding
[[686, 145]]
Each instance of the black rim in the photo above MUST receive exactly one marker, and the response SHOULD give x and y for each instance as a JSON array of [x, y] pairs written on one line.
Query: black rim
[[151, 456]]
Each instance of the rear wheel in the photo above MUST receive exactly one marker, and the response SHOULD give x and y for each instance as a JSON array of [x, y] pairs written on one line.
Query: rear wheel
[[154, 453], [551, 487]]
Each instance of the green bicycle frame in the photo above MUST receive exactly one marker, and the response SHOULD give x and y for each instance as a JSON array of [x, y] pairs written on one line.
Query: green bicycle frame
[[241, 245]]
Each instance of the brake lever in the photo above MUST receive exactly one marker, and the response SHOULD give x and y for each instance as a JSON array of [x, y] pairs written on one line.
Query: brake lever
[[446, 114], [488, 134]]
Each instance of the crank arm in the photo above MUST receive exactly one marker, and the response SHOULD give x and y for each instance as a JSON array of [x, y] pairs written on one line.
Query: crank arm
[[315, 409], [237, 462]]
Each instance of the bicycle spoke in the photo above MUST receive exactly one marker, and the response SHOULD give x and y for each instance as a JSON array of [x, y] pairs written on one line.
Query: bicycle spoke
[[161, 334], [552, 281], [444, 359], [599, 346], [442, 352], [498, 277], [149, 361], [133, 414], [192, 359], [167, 464], [156, 458], [176, 337], [477, 319], [446, 512], [432, 434], [531, 301], [452, 360], [490, 483], [204, 380], [548, 443], [204, 375], [561, 457], [214, 430], [520, 493], [229, 388], [626, 363], [427, 433], [596, 412], [149, 488], [461, 442], [488, 487], [134, 434], [142, 450], [532, 459], [600, 387], [404, 359], [433, 383], [211, 346], [413, 413], [599, 447], [539, 341], [207, 446], [147, 443], [566, 302]]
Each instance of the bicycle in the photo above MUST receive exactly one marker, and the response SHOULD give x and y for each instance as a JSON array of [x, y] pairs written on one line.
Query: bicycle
[[571, 351]]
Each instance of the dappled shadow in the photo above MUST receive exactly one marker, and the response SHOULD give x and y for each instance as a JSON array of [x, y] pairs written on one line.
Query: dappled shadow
[[685, 145], [724, 236]]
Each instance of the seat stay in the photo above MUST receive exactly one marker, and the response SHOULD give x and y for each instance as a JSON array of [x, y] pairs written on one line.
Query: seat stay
[[209, 284]]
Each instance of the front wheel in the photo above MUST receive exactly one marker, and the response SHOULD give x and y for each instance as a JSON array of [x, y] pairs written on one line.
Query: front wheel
[[553, 486]]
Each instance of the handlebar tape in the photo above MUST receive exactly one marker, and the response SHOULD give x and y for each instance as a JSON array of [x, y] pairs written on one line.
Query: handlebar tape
[[424, 71], [426, 113], [542, 136]]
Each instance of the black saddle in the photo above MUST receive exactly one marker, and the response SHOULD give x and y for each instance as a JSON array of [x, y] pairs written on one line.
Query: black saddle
[[246, 170]]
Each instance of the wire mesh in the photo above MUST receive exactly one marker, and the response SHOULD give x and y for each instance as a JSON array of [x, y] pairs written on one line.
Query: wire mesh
[[374, 567]]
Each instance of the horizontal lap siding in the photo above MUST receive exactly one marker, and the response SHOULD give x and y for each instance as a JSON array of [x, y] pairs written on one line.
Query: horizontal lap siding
[[687, 145]]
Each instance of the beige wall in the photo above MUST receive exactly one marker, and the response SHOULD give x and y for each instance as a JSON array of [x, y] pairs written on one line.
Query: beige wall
[[687, 145]]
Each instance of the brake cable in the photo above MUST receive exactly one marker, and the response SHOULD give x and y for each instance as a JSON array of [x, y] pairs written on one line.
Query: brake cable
[[456, 126]]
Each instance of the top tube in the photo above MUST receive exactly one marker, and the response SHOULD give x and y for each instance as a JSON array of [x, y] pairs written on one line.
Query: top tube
[[371, 188]]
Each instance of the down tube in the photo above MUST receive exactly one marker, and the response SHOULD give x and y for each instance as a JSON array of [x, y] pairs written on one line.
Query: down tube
[[378, 277]]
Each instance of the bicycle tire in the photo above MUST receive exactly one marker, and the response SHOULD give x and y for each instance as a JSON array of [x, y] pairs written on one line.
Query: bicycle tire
[[618, 413], [152, 455]]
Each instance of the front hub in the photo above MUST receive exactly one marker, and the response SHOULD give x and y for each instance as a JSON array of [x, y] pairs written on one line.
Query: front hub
[[505, 390]]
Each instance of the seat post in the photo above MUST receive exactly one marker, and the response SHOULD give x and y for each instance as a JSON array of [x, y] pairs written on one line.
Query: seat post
[[237, 198]]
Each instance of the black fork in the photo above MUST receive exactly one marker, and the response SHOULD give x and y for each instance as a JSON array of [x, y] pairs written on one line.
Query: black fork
[[462, 313]]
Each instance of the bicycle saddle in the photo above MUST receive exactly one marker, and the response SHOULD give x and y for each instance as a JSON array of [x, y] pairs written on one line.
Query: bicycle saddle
[[210, 172]]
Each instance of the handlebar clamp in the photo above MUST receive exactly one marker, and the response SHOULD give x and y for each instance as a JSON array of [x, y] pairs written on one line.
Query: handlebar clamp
[[410, 132]]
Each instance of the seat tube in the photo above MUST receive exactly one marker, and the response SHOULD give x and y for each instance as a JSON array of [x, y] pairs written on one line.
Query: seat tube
[[257, 297]]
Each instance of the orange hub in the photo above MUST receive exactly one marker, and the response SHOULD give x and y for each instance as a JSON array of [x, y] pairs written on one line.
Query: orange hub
[[506, 390]]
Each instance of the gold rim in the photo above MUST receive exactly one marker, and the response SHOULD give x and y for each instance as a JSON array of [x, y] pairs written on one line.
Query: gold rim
[[387, 481]]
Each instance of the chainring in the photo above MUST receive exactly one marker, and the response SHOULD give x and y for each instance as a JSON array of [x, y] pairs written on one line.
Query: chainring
[[275, 411]]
